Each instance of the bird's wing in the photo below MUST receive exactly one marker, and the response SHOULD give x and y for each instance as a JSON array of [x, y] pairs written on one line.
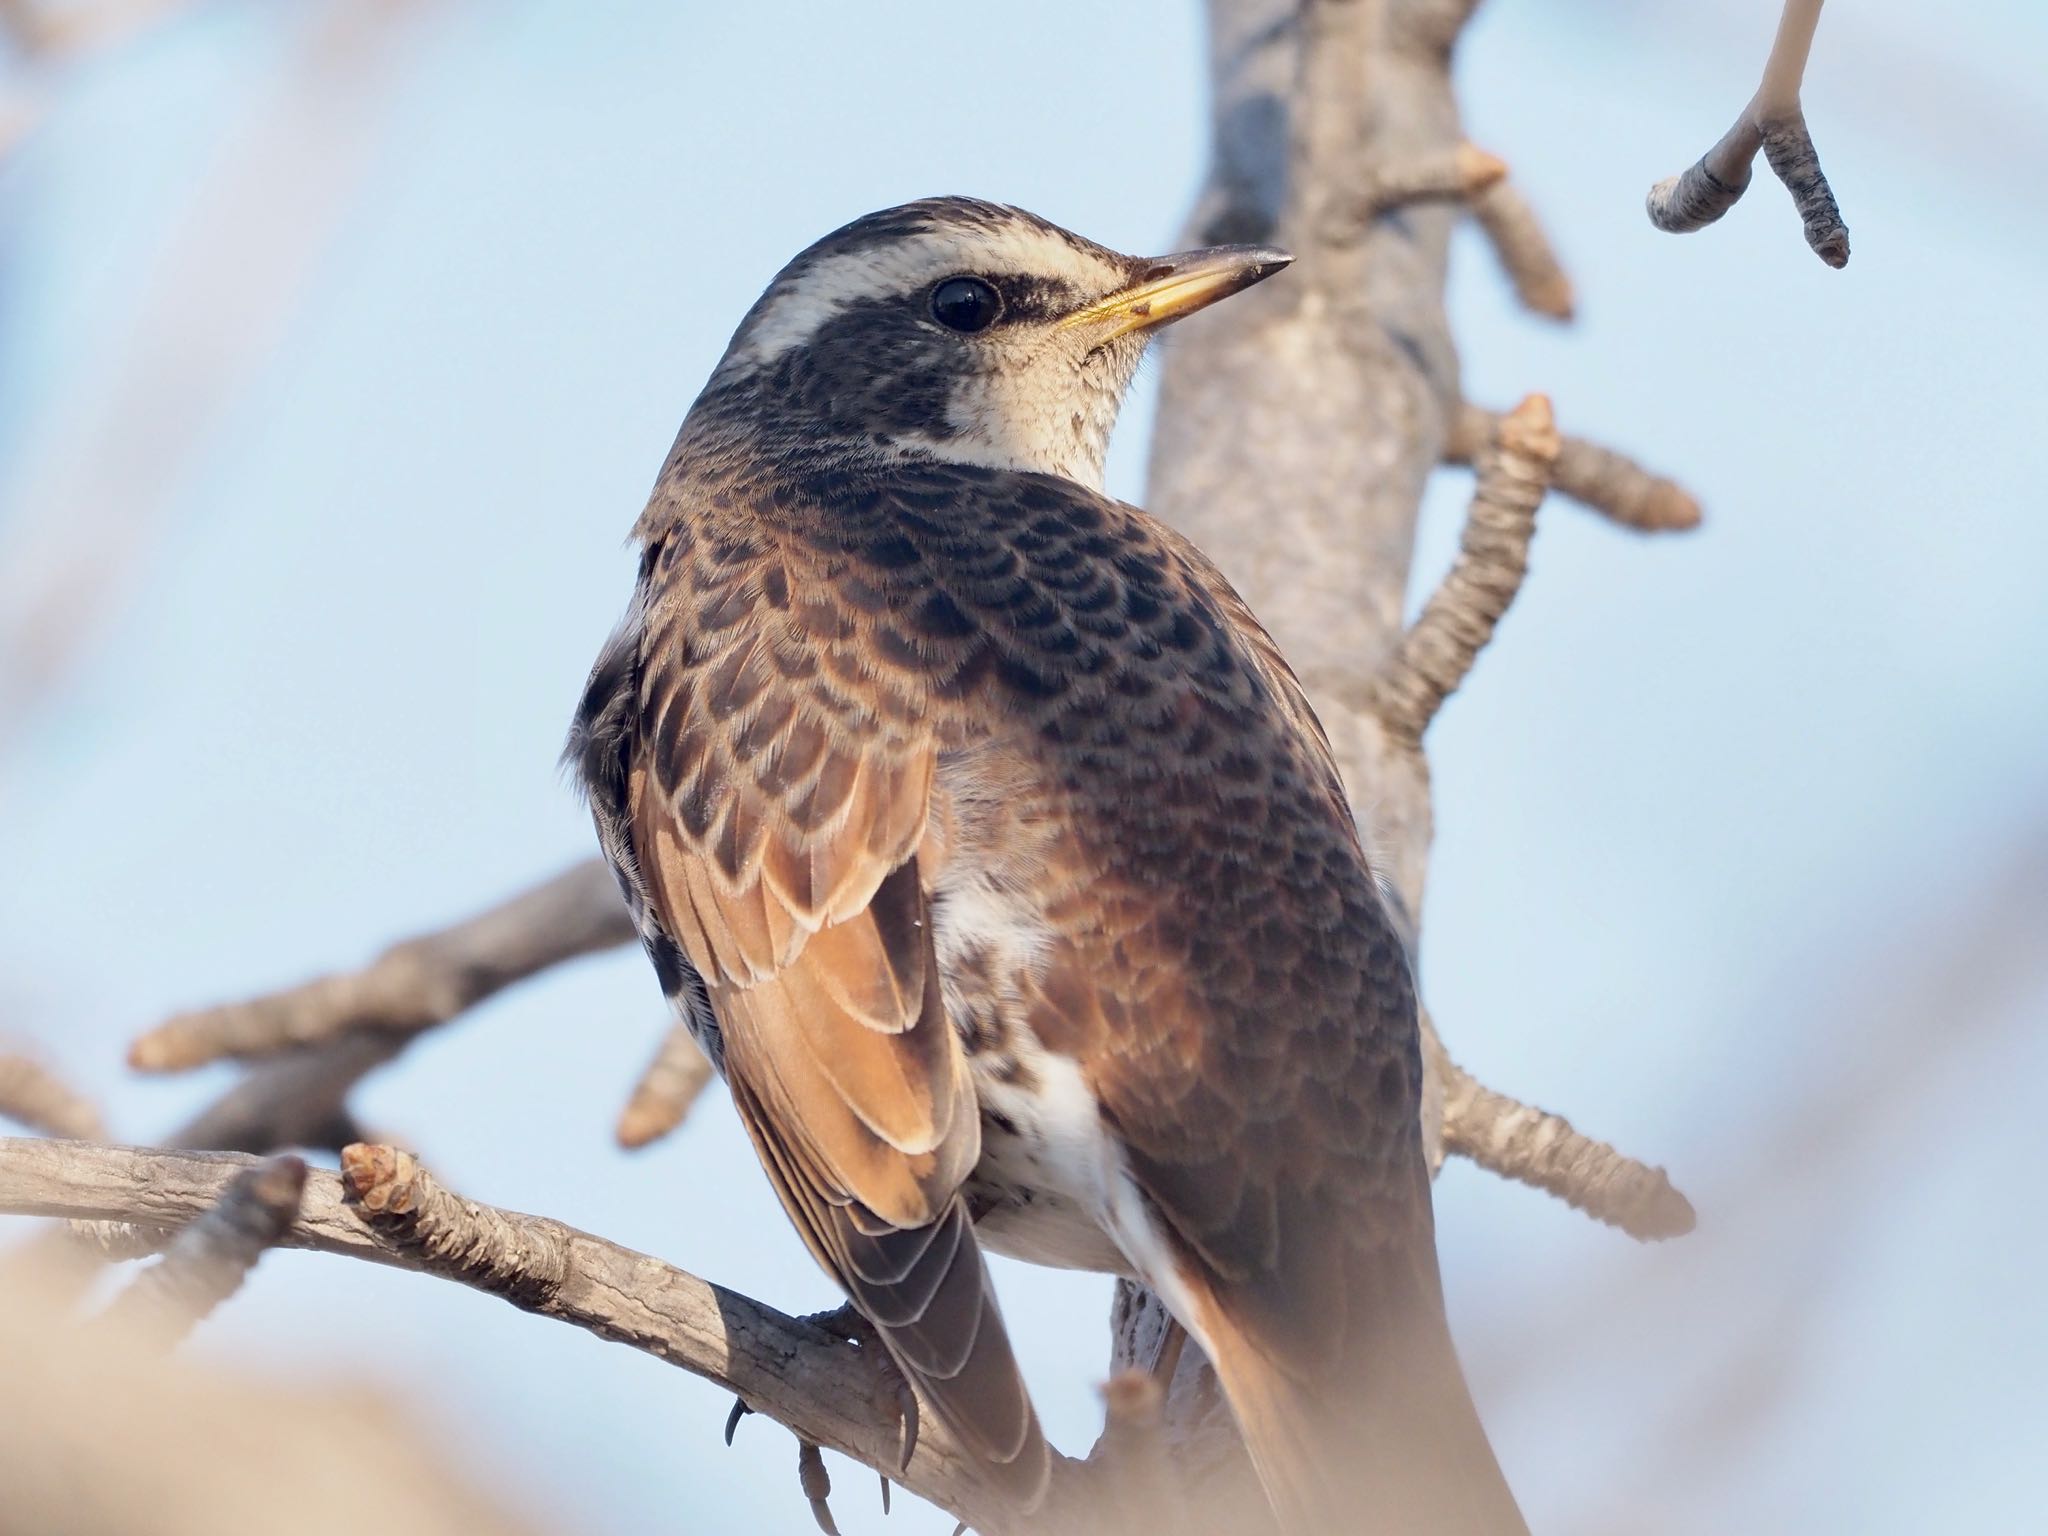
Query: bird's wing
[[777, 805]]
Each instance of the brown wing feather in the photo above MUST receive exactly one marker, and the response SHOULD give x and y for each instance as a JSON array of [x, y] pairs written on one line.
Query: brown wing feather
[[778, 845]]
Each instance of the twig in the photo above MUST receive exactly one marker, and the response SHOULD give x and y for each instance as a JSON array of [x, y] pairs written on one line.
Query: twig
[[666, 1090], [1609, 483], [1440, 647], [1773, 122], [411, 987], [389, 1211], [1534, 1147], [1463, 171], [1524, 250], [34, 1096], [207, 1261], [294, 1100]]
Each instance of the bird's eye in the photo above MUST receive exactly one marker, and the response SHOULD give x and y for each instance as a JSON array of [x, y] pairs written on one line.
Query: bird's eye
[[965, 304]]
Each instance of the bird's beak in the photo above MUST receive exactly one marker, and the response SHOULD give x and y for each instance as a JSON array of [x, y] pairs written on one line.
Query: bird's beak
[[1174, 286]]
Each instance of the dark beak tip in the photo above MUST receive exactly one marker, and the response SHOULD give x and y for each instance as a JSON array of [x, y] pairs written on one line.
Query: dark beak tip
[[1267, 260]]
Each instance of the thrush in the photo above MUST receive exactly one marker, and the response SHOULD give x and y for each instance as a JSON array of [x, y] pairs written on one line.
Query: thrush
[[996, 859]]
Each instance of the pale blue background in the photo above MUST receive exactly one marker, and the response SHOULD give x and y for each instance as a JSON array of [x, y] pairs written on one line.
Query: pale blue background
[[1720, 817]]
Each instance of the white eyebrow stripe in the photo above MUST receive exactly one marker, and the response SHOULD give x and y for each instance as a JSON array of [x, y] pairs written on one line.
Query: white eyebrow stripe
[[831, 285]]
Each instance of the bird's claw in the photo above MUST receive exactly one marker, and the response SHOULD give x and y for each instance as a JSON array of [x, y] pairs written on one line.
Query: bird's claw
[[817, 1485], [848, 1324], [732, 1420]]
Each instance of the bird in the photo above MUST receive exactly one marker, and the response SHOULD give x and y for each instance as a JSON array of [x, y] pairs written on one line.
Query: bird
[[988, 846]]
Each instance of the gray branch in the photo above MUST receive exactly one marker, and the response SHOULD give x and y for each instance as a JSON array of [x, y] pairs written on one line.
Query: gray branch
[[1774, 122], [413, 986], [1524, 251], [1607, 482]]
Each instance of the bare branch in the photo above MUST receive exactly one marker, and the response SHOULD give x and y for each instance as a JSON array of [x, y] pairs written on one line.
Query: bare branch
[[388, 1211], [207, 1261], [1524, 250], [1463, 171], [1609, 483], [413, 986], [1533, 1146], [1439, 649], [666, 1091], [34, 1096], [1774, 123]]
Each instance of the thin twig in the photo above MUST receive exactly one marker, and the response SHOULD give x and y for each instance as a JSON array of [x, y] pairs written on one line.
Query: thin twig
[[207, 1261], [666, 1091], [34, 1096], [1607, 482], [1440, 647], [1534, 1147], [413, 986], [1463, 171], [1524, 250], [1774, 122]]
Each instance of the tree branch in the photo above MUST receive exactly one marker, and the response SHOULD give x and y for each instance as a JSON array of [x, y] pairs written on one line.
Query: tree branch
[[1437, 652], [386, 1209], [1773, 122], [667, 1089], [1525, 253], [32, 1095], [1598, 478], [414, 985], [1534, 1147]]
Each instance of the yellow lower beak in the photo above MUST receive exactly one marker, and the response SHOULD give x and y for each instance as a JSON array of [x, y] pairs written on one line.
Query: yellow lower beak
[[1174, 286]]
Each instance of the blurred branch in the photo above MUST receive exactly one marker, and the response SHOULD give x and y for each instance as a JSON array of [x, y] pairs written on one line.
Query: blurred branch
[[1609, 483], [32, 1095], [413, 986], [1535, 1147], [386, 1209], [106, 1436], [207, 1261], [1773, 122], [667, 1089], [1525, 253], [43, 32]]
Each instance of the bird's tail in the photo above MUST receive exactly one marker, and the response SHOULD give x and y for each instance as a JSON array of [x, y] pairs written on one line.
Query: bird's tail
[[1380, 1436]]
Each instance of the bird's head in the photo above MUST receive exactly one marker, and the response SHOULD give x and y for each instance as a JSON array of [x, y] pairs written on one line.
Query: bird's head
[[963, 330]]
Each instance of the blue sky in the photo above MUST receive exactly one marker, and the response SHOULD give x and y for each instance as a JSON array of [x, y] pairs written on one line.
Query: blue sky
[[1709, 812]]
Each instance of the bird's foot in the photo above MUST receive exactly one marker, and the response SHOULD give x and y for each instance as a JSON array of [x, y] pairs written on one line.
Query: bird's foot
[[846, 1322]]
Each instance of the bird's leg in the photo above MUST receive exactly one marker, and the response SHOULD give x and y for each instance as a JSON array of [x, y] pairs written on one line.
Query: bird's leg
[[1169, 1354], [847, 1323]]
